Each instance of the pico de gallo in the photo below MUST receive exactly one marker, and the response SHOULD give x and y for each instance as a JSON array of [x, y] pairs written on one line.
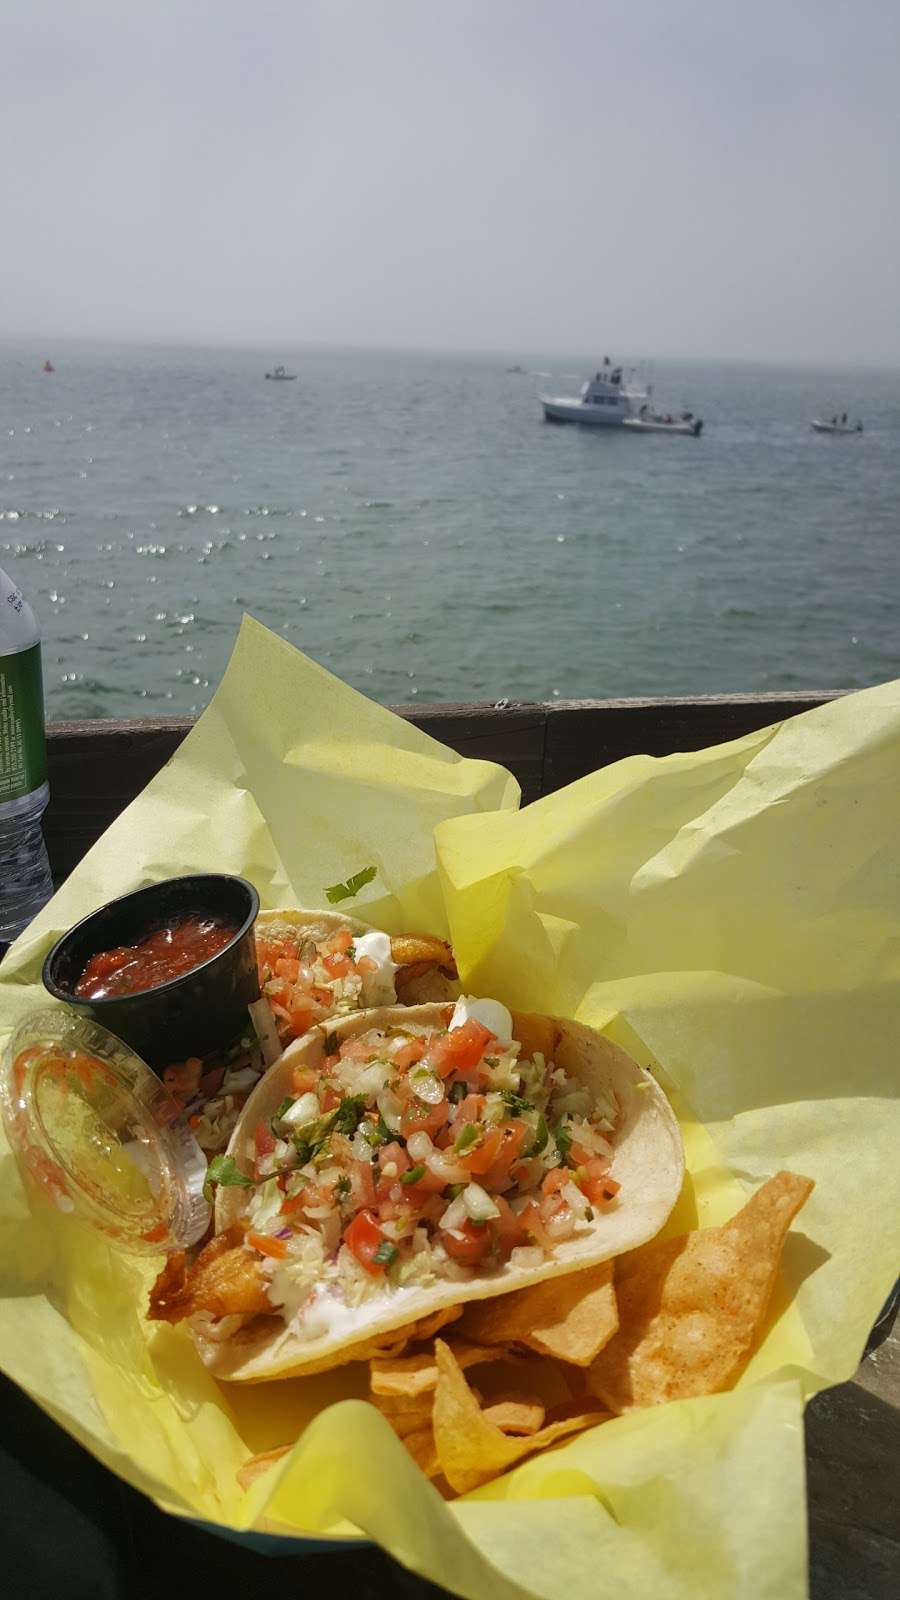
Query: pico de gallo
[[307, 974], [414, 1154]]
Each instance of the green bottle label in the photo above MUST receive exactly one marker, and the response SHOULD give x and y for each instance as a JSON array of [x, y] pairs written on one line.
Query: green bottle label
[[23, 755]]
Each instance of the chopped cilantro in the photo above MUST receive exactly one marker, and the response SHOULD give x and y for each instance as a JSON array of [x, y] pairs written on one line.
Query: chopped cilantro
[[386, 1253], [515, 1102], [332, 1044], [541, 1136], [347, 891], [413, 1175], [563, 1139], [458, 1092], [225, 1171], [349, 1114], [342, 1187]]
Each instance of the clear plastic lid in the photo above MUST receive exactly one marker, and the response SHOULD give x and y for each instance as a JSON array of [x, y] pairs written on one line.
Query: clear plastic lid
[[100, 1135]]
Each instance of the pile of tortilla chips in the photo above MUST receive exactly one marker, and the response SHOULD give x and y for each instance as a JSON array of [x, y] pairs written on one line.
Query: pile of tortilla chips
[[675, 1319]]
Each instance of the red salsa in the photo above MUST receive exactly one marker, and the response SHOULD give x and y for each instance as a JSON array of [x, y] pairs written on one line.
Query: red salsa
[[168, 952]]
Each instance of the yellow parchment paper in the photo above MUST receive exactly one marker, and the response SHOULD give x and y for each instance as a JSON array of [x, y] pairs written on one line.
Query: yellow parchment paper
[[731, 916]]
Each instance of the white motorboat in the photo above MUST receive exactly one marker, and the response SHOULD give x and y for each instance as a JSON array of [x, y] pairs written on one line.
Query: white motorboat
[[637, 386], [282, 375], [601, 403], [835, 426], [687, 424]]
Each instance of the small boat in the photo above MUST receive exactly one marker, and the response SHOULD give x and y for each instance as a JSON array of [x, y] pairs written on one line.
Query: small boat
[[516, 369], [282, 375], [836, 425], [601, 403], [687, 424], [637, 386], [48, 367]]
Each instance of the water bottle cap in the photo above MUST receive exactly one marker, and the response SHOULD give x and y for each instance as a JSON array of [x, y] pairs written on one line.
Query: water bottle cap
[[100, 1135]]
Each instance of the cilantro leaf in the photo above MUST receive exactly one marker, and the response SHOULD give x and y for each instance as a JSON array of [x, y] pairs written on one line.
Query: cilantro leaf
[[515, 1102], [349, 1114], [342, 1187], [563, 1140], [225, 1171], [413, 1175], [386, 1253], [458, 1092], [542, 1134], [347, 891]]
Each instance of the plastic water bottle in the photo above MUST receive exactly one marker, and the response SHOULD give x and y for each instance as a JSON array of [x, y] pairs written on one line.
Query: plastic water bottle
[[25, 881]]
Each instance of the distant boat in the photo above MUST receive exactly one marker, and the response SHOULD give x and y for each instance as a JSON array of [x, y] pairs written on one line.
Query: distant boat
[[601, 403], [687, 424], [282, 375], [48, 367], [835, 426], [515, 369]]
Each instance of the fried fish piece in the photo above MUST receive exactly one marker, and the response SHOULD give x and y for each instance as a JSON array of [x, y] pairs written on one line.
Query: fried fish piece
[[225, 1280]]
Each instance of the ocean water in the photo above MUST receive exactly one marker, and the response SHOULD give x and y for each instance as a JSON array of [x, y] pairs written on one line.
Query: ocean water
[[411, 522]]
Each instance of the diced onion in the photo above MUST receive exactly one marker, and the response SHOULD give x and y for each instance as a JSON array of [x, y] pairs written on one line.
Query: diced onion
[[526, 1255], [561, 1225], [318, 1212], [437, 1163], [573, 1196], [425, 1086], [478, 1203], [455, 1214], [306, 1109], [390, 1108], [419, 1147]]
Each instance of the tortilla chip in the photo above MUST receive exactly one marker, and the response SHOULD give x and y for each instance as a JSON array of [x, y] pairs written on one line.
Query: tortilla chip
[[409, 1421], [691, 1309], [255, 1466], [422, 1449], [418, 1374], [515, 1413], [570, 1318], [471, 1450]]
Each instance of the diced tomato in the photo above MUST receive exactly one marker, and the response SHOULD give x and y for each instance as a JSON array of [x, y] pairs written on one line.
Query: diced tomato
[[469, 1110], [337, 966], [362, 1184], [482, 1156], [321, 995], [532, 1222], [264, 1140], [514, 1134], [507, 1229], [408, 1054], [363, 1237], [419, 1118], [556, 1177], [579, 1155], [330, 1098], [366, 965], [295, 1202], [471, 1247], [358, 1049], [600, 1190], [287, 967], [303, 1081], [391, 1155], [460, 1049], [301, 1019], [267, 1246], [341, 941], [428, 1184]]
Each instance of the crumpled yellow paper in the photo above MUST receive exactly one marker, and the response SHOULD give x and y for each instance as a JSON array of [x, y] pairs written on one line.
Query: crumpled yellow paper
[[731, 916]]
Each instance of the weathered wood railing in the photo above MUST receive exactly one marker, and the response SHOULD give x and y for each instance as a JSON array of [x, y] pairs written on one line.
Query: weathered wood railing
[[96, 768]]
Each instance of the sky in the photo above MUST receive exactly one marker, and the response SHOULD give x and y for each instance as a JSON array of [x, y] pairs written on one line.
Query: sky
[[666, 178]]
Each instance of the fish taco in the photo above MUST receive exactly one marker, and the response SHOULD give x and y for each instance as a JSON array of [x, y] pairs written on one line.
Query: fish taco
[[400, 1162]]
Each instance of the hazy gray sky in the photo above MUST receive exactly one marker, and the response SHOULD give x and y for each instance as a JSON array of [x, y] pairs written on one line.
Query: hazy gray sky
[[660, 178]]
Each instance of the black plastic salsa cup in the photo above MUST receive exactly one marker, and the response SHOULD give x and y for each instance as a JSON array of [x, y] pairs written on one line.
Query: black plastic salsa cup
[[200, 1011]]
